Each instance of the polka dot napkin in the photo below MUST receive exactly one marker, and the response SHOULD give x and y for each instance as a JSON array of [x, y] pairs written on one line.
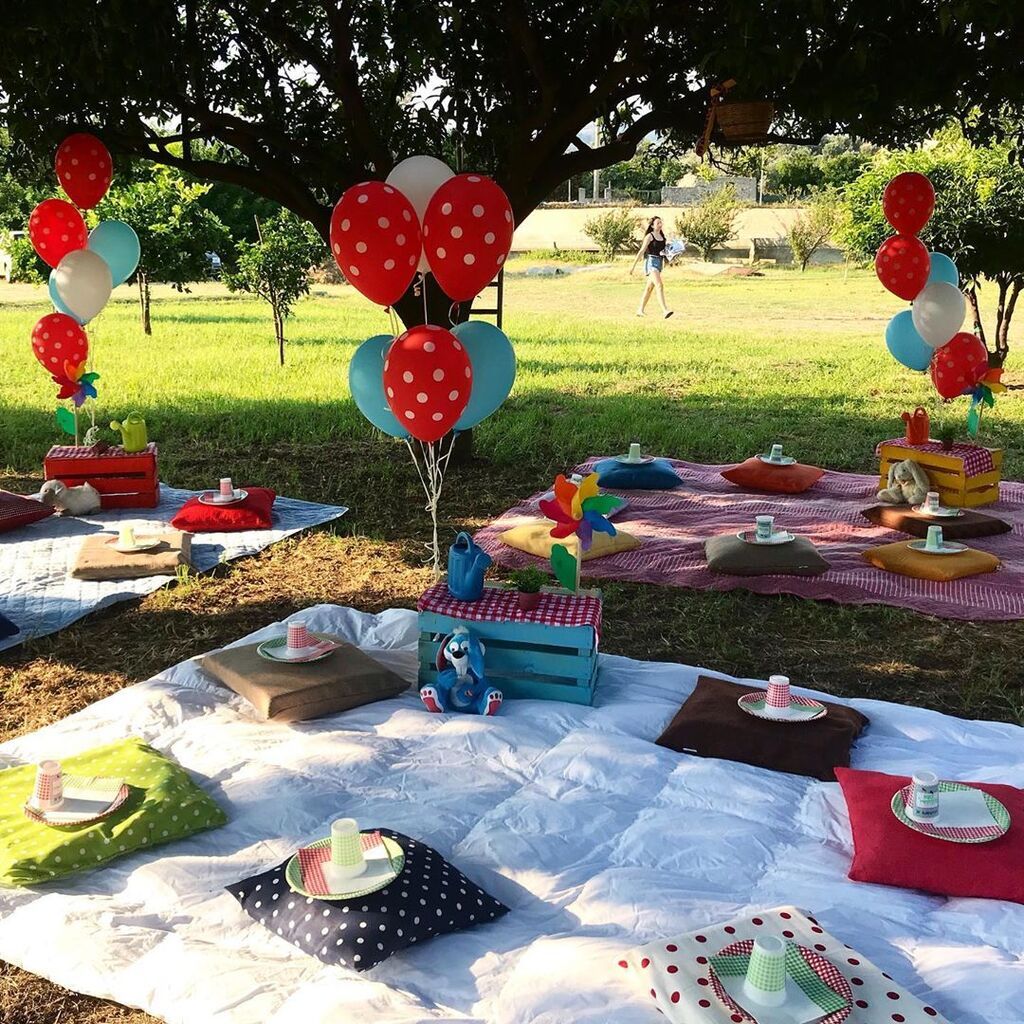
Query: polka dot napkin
[[675, 972]]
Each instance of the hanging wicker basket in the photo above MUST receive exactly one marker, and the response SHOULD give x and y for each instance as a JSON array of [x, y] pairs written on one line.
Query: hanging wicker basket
[[744, 123]]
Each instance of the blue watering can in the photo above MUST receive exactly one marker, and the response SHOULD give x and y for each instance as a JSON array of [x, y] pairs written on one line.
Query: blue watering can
[[467, 563]]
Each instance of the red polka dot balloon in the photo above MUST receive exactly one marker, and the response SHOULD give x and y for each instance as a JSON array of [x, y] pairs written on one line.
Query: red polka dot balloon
[[84, 169], [908, 202], [427, 381], [467, 234], [376, 240], [58, 339], [56, 228], [902, 264], [959, 365]]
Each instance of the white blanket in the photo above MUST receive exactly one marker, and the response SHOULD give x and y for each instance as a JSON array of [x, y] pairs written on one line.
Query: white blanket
[[595, 837], [39, 595]]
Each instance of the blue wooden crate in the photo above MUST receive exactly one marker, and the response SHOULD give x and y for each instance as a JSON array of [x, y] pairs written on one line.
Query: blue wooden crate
[[523, 659]]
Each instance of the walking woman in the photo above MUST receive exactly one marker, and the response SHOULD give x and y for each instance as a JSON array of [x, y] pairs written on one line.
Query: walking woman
[[653, 252]]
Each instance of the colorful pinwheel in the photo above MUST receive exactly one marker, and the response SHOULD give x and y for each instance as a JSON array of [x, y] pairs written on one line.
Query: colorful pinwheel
[[984, 394], [75, 383], [578, 509]]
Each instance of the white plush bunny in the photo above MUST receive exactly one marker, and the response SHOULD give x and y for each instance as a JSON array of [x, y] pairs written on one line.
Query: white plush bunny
[[70, 501]]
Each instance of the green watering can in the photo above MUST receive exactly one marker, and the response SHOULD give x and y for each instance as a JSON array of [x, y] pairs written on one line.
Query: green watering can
[[133, 432]]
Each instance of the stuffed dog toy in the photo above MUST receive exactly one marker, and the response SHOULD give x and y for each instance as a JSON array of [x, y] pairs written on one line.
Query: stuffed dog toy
[[463, 686], [908, 484], [70, 501]]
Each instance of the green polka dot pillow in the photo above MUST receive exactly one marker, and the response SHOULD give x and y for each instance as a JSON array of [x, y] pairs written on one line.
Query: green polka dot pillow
[[163, 804]]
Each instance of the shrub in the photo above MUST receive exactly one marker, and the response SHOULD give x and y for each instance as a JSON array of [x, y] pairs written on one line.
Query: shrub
[[26, 266], [813, 227], [528, 580], [613, 230], [562, 255], [711, 222]]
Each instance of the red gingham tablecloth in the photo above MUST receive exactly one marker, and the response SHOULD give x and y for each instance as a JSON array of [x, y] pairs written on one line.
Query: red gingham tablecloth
[[976, 459], [499, 604]]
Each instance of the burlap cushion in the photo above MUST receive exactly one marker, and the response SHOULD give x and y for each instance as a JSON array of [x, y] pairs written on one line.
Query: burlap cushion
[[98, 559]]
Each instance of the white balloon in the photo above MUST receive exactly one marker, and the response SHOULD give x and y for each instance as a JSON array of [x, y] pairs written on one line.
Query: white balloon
[[938, 312], [83, 282], [418, 178]]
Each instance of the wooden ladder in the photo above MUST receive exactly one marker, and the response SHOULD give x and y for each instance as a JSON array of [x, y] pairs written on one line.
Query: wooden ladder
[[499, 300]]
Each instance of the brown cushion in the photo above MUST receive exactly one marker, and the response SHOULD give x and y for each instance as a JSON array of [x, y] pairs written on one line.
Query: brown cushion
[[901, 558], [346, 678], [904, 519], [728, 554], [98, 560], [535, 539], [755, 475], [710, 724]]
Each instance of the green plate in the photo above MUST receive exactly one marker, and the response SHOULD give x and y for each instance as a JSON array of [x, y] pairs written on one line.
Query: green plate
[[395, 853]]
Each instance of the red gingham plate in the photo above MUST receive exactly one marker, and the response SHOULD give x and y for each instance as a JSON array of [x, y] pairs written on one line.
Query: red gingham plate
[[826, 971], [754, 704]]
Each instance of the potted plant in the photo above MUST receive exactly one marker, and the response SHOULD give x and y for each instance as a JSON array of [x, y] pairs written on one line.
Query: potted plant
[[947, 437], [528, 582]]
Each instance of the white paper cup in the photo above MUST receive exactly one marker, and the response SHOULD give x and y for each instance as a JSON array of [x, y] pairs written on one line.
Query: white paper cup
[[48, 794], [347, 859], [227, 489], [126, 537], [934, 539], [634, 452], [924, 795], [765, 527], [931, 501], [776, 453], [766, 973]]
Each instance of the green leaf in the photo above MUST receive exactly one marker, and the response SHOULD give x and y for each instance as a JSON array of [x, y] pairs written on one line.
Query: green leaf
[[66, 420], [564, 565]]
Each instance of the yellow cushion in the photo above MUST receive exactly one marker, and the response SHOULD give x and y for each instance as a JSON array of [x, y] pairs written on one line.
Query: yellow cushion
[[535, 539], [901, 558]]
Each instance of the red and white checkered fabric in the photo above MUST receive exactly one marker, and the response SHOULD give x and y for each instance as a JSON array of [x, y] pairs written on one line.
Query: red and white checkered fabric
[[16, 510], [502, 605], [115, 451], [313, 858], [976, 459]]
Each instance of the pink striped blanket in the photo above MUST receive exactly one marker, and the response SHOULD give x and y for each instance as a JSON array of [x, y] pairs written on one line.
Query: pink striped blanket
[[673, 526]]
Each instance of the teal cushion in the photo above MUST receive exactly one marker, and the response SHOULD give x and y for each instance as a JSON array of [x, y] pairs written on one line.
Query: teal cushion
[[656, 475], [164, 804]]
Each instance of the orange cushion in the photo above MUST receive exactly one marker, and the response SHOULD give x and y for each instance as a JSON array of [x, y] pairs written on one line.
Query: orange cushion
[[755, 475], [901, 558]]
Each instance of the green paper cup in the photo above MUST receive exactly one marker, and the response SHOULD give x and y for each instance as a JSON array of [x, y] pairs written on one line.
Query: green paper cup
[[346, 849], [766, 973]]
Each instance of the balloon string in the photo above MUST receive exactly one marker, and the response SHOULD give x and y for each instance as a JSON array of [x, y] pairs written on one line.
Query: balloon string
[[453, 313], [423, 287], [431, 474]]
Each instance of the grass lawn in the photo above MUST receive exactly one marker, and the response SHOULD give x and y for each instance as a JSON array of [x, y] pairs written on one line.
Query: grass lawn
[[789, 357]]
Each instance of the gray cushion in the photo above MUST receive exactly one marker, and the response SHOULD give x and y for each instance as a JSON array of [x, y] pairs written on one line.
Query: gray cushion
[[729, 554]]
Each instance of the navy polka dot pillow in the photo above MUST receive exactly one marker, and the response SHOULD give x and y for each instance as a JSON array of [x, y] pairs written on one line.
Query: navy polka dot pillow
[[428, 898]]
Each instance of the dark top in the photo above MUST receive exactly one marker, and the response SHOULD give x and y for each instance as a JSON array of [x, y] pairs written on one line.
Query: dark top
[[656, 246]]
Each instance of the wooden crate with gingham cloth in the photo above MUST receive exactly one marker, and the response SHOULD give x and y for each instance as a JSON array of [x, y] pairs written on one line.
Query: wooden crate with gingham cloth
[[549, 653], [124, 479], [967, 475]]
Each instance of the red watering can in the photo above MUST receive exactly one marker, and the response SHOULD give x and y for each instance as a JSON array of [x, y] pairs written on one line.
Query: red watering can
[[918, 426]]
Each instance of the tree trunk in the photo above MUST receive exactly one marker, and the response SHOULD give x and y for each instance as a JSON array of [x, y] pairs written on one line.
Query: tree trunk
[[279, 334], [147, 325], [1007, 305], [972, 300]]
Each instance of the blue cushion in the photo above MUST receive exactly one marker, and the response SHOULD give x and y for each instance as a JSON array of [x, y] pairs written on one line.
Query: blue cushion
[[656, 475], [7, 628], [428, 898]]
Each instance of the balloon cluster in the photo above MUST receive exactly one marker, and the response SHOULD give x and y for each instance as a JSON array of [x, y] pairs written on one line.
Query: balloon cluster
[[431, 381], [86, 265], [928, 335]]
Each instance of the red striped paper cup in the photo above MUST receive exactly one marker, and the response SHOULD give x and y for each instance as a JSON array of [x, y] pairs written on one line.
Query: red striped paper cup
[[298, 635], [49, 790], [778, 693]]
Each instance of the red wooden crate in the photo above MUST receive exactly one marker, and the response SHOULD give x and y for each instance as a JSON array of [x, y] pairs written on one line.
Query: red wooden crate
[[124, 479]]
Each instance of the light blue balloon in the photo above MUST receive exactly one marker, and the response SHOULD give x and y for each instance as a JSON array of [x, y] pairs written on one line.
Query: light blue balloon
[[943, 269], [494, 369], [58, 303], [366, 382], [119, 246], [905, 344]]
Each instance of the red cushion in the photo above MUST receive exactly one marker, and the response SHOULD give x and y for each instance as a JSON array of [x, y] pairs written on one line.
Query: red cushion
[[251, 514], [889, 853], [16, 511], [755, 475]]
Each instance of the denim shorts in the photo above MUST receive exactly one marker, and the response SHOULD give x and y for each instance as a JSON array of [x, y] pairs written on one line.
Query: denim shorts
[[653, 263]]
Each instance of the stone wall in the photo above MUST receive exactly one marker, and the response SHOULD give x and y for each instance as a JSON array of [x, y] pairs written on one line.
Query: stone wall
[[692, 189]]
